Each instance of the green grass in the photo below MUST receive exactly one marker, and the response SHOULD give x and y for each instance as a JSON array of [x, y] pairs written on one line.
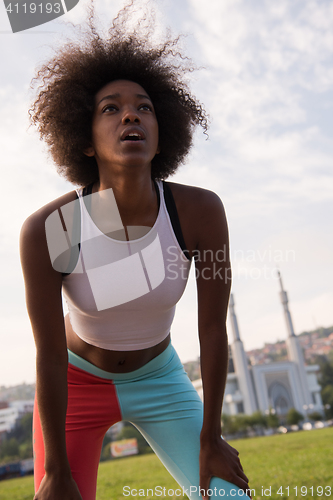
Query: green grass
[[299, 459]]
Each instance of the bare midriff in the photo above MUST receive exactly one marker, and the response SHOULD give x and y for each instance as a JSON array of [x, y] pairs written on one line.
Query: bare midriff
[[112, 361]]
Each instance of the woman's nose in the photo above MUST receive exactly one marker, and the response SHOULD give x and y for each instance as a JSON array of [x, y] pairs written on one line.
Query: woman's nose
[[131, 116]]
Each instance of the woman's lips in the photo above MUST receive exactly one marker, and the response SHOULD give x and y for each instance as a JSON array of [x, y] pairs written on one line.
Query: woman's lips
[[133, 134]]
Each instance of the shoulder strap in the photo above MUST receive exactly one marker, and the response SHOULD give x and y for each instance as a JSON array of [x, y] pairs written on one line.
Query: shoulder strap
[[173, 214]]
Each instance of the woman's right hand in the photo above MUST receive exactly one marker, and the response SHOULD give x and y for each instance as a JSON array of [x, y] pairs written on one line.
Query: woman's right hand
[[55, 487]]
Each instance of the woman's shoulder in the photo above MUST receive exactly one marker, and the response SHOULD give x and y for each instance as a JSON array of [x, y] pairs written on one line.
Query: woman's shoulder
[[200, 212], [34, 225], [195, 198]]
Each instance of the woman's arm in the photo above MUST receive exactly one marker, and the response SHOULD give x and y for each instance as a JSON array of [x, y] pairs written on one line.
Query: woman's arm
[[217, 457], [44, 304]]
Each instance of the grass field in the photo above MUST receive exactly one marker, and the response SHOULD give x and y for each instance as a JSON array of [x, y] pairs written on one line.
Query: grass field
[[276, 462]]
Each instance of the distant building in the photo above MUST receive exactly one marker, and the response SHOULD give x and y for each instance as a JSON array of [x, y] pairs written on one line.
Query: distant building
[[11, 412], [277, 385], [8, 417]]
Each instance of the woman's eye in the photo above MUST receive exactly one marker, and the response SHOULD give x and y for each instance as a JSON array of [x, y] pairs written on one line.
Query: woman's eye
[[146, 107], [109, 107]]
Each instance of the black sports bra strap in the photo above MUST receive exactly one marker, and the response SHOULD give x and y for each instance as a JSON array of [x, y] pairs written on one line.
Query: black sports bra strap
[[172, 211]]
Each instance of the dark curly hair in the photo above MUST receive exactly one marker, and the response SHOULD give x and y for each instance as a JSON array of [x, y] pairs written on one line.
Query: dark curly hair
[[68, 83]]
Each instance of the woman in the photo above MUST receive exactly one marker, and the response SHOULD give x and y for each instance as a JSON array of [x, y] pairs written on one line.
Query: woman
[[118, 120]]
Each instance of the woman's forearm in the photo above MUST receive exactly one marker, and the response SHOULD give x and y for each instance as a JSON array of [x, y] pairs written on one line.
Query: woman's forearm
[[214, 368], [52, 406]]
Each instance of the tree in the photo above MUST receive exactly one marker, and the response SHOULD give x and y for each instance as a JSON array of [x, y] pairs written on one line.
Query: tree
[[242, 422], [25, 450], [228, 424], [18, 442], [22, 430], [294, 417], [315, 415], [106, 452], [273, 421], [128, 432], [232, 424], [257, 420], [326, 373], [9, 450], [326, 382], [327, 397]]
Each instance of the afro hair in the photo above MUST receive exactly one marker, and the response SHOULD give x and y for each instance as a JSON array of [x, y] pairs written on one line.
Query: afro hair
[[67, 85]]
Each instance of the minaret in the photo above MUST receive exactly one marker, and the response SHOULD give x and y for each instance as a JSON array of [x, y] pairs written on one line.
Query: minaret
[[294, 349], [240, 363], [284, 300]]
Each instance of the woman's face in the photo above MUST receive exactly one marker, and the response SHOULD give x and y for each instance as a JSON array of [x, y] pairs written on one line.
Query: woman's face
[[124, 126]]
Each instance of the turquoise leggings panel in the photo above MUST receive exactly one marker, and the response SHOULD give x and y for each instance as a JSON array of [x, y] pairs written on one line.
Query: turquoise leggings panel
[[158, 399], [165, 407]]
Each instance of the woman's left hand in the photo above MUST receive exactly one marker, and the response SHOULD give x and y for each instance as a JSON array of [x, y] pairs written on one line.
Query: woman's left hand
[[218, 458]]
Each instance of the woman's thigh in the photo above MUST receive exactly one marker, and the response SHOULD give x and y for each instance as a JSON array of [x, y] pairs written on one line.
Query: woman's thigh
[[168, 411], [92, 409]]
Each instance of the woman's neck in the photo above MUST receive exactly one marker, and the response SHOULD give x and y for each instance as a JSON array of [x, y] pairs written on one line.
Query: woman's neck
[[135, 197]]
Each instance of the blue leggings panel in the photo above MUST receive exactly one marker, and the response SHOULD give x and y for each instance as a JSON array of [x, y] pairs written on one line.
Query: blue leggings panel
[[161, 402]]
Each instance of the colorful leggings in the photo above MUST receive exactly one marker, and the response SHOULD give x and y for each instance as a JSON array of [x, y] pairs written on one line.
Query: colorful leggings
[[158, 399]]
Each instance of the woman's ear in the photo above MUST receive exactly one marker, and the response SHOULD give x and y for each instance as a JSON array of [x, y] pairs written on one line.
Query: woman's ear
[[158, 150], [89, 151]]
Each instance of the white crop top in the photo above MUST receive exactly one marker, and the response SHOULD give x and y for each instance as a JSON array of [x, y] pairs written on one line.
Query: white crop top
[[122, 295]]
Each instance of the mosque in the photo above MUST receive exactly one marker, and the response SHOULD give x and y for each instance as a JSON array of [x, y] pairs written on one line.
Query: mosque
[[276, 386]]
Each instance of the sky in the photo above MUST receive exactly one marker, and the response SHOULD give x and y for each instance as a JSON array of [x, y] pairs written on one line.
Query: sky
[[266, 79]]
